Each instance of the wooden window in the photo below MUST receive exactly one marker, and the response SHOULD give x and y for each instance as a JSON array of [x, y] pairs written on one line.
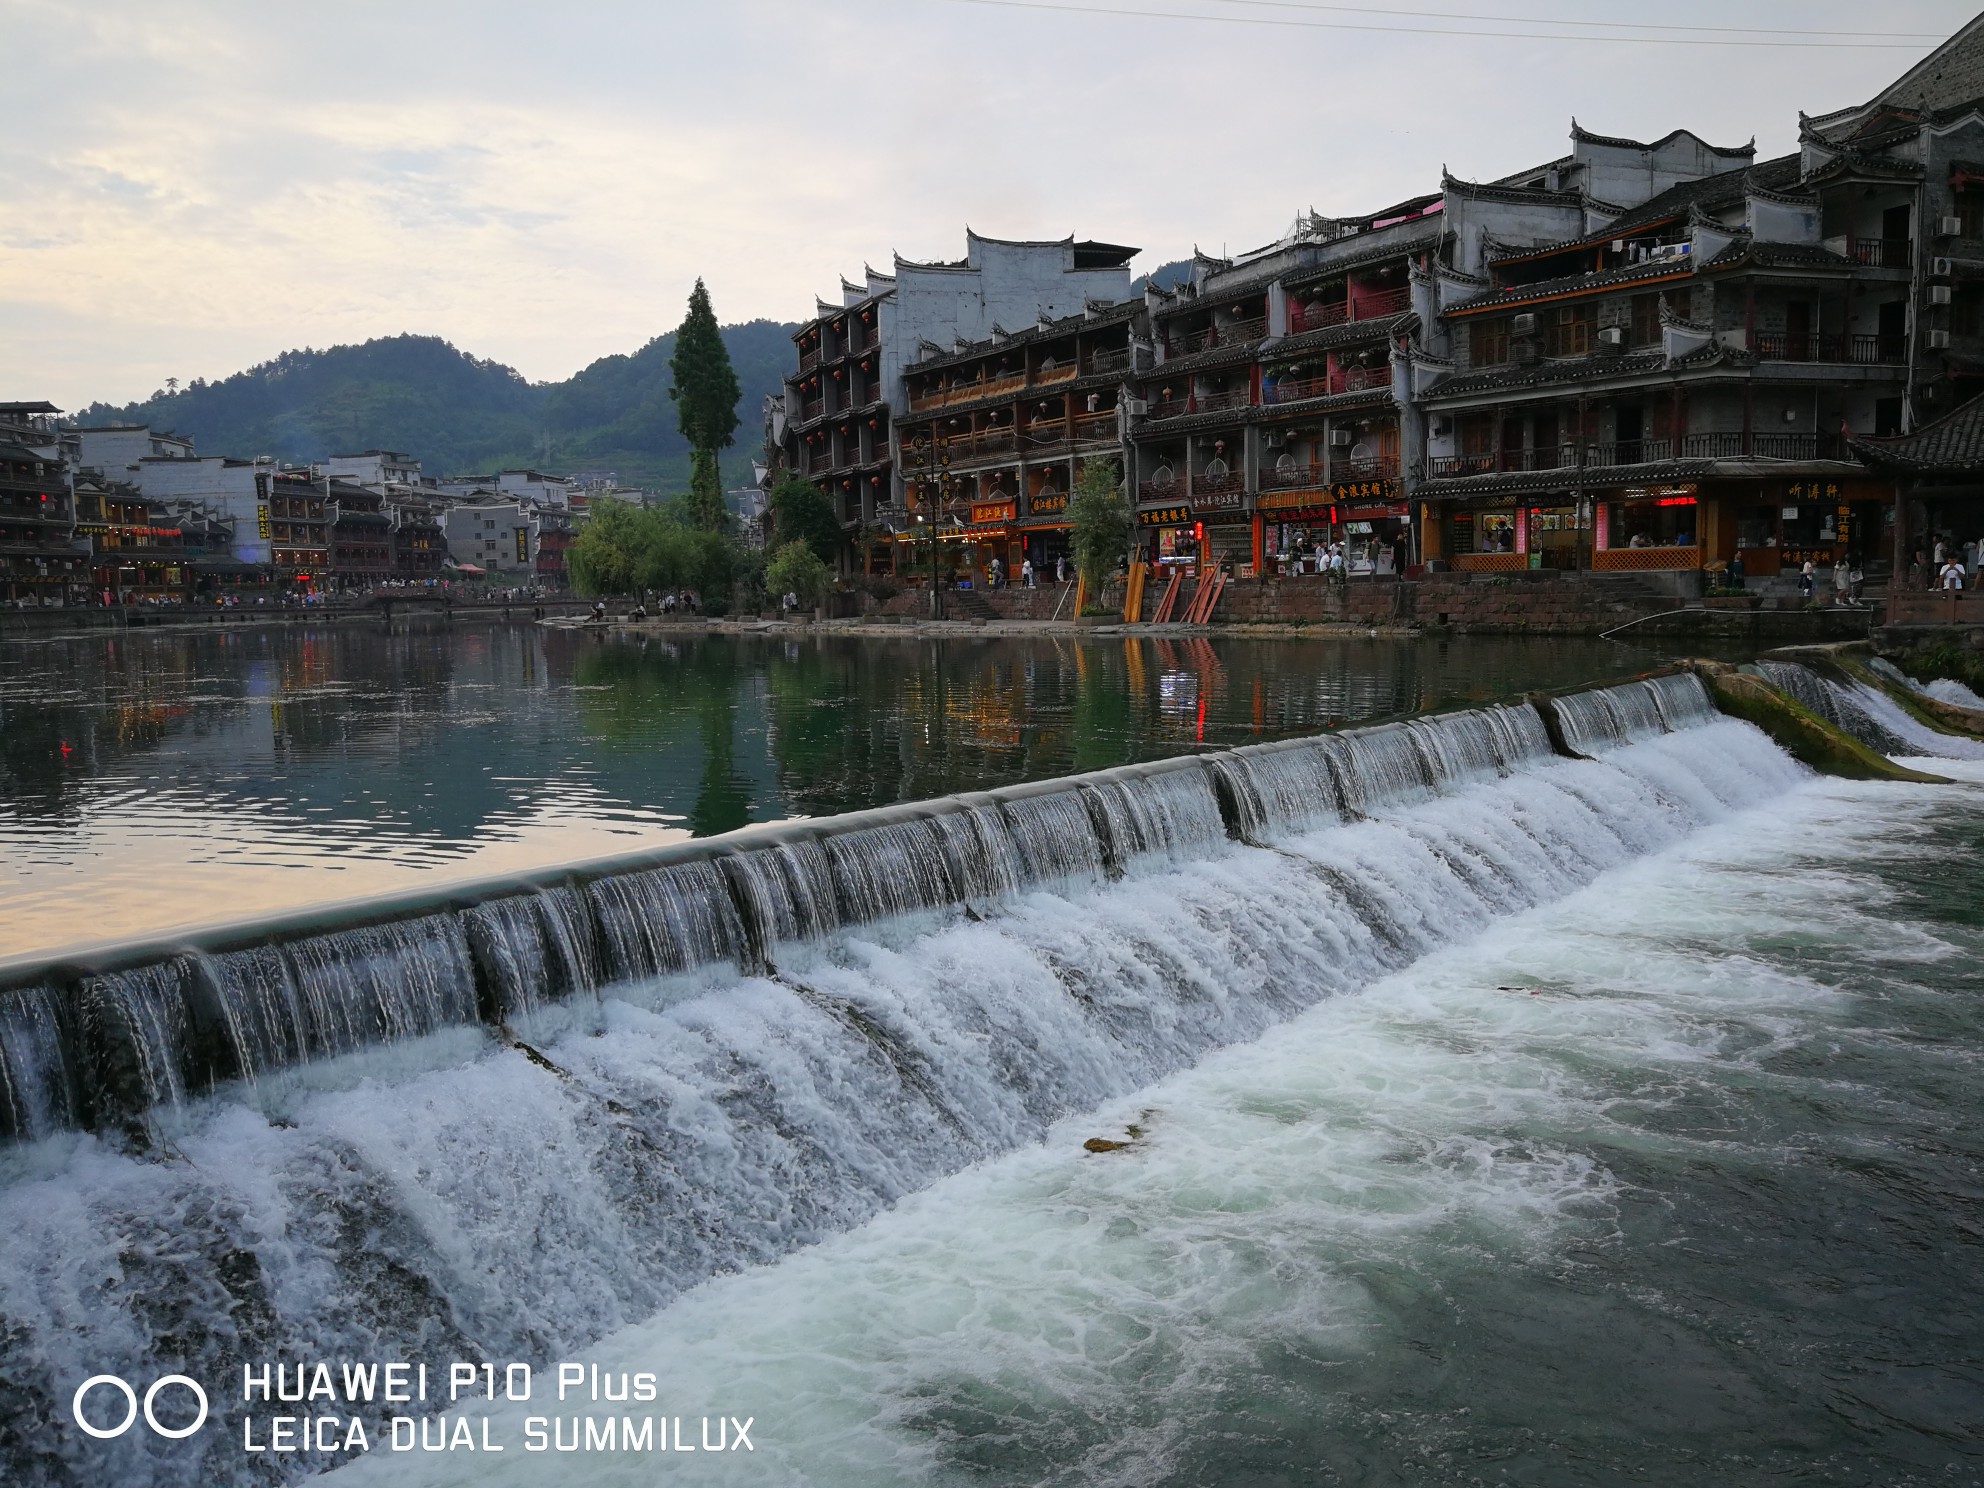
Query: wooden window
[[1645, 329], [1970, 211], [1490, 344], [1967, 310], [1570, 331]]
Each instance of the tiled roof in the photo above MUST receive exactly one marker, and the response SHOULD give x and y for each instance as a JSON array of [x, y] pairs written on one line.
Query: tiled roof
[[1544, 289], [1377, 254], [1585, 136], [1952, 445], [1725, 188], [1348, 333], [1105, 316], [1623, 364], [1779, 256]]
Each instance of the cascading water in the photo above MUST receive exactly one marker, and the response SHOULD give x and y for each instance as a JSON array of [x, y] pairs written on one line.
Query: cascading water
[[38, 1093], [513, 1205], [1865, 712]]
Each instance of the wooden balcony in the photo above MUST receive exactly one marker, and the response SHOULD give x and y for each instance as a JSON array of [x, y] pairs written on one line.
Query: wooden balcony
[[1170, 490], [1858, 351], [1092, 427], [1109, 361], [1219, 485], [1295, 389], [808, 360], [1066, 372], [1881, 253], [1385, 303], [1611, 454], [1230, 398], [1294, 477], [1316, 317]]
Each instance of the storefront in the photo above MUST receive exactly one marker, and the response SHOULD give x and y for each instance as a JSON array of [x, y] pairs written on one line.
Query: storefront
[[1224, 531], [1044, 535], [1781, 526], [1167, 535], [1641, 528]]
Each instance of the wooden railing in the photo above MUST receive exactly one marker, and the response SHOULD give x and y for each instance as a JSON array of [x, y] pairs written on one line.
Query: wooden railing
[[1385, 302], [1861, 351], [1316, 317], [1608, 454], [1047, 377], [1296, 477], [1881, 253], [1109, 361], [1295, 389], [1230, 398]]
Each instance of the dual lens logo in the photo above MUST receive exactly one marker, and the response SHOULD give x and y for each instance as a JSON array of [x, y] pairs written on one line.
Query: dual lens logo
[[104, 1433]]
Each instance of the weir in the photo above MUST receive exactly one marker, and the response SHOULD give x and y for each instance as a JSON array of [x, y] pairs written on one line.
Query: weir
[[715, 1056], [104, 1037]]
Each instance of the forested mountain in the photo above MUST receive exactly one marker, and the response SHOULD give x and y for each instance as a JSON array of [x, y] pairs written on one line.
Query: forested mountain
[[460, 414]]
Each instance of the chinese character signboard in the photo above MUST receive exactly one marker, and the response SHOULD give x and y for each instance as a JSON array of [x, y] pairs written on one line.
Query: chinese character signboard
[[1047, 503], [1164, 516], [262, 520], [523, 545], [1813, 491], [985, 513], [1365, 492]]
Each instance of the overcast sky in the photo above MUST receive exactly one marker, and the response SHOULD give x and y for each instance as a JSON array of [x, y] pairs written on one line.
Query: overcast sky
[[189, 188]]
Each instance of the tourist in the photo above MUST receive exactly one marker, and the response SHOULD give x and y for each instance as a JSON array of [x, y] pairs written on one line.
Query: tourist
[[1026, 573], [1950, 576], [1808, 578], [1842, 582], [1061, 569]]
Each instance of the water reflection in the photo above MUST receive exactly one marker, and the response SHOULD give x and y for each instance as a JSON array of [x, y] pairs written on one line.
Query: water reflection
[[155, 780]]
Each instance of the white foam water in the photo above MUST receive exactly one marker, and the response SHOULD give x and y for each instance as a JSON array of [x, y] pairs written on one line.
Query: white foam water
[[510, 1207], [1279, 1260]]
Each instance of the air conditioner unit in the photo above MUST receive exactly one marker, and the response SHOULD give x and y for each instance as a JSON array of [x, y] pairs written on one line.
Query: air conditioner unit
[[1618, 245], [1939, 340], [1612, 338], [1523, 324], [1942, 268], [1939, 294], [1137, 407], [1339, 439], [1949, 227]]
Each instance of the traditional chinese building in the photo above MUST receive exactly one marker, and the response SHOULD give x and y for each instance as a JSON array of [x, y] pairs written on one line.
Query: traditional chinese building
[[42, 562], [834, 424], [361, 534], [137, 548], [998, 430]]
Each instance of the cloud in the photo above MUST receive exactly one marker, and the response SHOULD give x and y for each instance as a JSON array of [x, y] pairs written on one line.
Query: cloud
[[189, 187]]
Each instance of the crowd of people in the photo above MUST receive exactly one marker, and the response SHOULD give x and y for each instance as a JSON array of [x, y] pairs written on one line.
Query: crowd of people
[[1949, 566]]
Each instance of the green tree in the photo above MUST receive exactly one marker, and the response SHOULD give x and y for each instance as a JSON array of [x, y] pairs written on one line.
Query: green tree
[[1100, 520], [705, 392], [802, 513], [797, 569], [606, 557], [705, 506]]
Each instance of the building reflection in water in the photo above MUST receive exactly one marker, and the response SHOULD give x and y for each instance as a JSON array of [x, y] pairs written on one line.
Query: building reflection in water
[[150, 780]]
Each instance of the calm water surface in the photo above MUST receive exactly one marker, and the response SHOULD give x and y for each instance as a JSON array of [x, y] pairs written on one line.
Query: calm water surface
[[153, 781]]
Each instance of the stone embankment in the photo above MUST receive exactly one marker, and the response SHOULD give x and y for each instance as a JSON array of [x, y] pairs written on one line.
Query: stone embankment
[[1540, 603]]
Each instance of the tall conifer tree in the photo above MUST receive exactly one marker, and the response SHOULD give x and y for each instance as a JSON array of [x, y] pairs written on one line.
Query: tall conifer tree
[[705, 392]]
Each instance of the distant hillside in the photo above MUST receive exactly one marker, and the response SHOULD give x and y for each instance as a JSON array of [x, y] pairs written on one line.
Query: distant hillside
[[1164, 276], [460, 414]]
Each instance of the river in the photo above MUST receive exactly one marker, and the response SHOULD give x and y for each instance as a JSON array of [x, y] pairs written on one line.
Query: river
[[155, 780]]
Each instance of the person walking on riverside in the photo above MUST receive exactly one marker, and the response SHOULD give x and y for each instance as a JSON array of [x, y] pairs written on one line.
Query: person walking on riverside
[[1808, 578]]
